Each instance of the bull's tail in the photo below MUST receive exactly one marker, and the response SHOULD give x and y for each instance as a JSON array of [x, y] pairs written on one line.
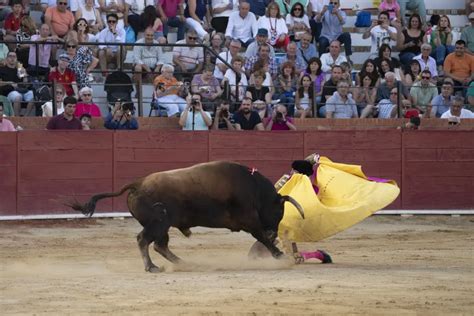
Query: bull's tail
[[89, 207]]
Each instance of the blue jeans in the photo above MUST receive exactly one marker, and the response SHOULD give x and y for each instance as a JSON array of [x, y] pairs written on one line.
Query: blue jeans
[[417, 5], [406, 58], [174, 22], [441, 52]]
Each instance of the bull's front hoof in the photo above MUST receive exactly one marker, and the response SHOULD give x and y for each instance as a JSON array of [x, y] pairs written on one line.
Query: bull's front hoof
[[278, 255], [154, 269]]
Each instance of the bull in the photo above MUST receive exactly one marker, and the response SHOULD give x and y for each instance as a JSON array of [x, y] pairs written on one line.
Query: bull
[[215, 194]]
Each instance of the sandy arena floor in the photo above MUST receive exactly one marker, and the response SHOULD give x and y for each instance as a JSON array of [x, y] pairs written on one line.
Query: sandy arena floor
[[384, 265]]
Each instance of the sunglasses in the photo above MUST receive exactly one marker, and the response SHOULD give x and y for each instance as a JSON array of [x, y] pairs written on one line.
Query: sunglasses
[[192, 38], [297, 9], [59, 92], [62, 3], [112, 21], [82, 24], [86, 94], [427, 78], [71, 46], [334, 3]]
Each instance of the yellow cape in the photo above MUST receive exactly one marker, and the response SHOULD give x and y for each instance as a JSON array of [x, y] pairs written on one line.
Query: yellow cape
[[345, 198]]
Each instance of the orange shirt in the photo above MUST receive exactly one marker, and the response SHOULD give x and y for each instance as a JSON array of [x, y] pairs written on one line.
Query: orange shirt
[[61, 22], [167, 83], [459, 66]]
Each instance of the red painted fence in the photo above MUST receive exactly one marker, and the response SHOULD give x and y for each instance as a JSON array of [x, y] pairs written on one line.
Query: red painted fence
[[42, 170]]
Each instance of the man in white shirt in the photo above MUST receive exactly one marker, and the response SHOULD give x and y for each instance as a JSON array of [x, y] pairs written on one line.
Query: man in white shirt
[[381, 33], [426, 61], [456, 110], [111, 34], [334, 57], [242, 25]]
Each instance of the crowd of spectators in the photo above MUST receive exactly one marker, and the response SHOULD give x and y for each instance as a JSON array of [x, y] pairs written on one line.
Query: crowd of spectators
[[272, 61]]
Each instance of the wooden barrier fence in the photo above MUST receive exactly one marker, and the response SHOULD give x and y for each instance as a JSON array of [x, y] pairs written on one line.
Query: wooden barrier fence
[[42, 170]]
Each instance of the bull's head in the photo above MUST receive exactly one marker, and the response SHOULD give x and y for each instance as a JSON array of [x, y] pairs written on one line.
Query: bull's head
[[287, 198]]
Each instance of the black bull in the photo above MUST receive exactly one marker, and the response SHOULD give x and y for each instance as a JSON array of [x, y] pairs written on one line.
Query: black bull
[[215, 194]]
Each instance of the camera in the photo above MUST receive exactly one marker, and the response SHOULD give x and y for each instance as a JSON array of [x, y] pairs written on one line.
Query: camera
[[225, 113], [194, 102], [279, 115], [161, 86], [128, 108], [379, 22]]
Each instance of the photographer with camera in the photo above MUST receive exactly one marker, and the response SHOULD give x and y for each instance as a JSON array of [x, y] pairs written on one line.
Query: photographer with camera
[[380, 33], [121, 117], [194, 118], [223, 120], [279, 120]]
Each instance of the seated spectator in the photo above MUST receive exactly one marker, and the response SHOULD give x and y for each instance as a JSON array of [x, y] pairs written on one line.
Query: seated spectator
[[242, 25], [195, 12], [59, 19], [224, 119], [110, 35], [341, 104], [221, 68], [82, 63], [334, 57], [92, 15], [407, 111], [306, 50], [167, 91], [194, 118], [171, 14], [15, 86], [261, 96], [426, 61], [365, 94], [86, 105], [413, 73], [413, 5], [369, 68], [86, 121], [44, 55], [230, 78], [392, 7], [459, 66], [422, 92], [65, 120], [380, 33], [207, 86], [347, 72], [441, 41], [217, 45], [221, 10], [297, 21], [279, 120], [13, 22], [81, 33], [59, 95], [264, 55], [410, 40], [24, 34], [387, 108], [149, 19], [146, 59], [63, 75], [456, 110], [317, 76], [286, 86], [329, 87], [5, 125], [467, 35], [333, 18], [273, 21], [133, 13], [442, 102], [383, 90], [385, 52], [188, 60], [386, 66], [262, 66], [246, 118], [261, 40], [304, 98], [121, 117], [292, 56]]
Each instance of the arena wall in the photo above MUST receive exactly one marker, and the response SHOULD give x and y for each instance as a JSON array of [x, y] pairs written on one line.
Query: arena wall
[[42, 170]]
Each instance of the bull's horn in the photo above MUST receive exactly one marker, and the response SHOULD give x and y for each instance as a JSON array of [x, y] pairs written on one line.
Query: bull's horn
[[296, 204]]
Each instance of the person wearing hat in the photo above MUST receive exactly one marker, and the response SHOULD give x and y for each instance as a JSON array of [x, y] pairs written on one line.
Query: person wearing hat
[[242, 25], [61, 74], [261, 38], [467, 34]]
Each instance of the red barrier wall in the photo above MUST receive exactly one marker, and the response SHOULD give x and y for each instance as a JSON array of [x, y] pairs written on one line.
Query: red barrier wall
[[42, 170]]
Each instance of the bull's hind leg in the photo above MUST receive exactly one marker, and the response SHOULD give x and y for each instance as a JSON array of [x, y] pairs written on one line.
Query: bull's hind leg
[[263, 238], [161, 246], [144, 240]]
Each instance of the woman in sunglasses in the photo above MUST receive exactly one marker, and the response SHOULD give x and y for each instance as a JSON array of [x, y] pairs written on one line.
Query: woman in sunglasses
[[82, 62], [297, 22], [91, 16], [59, 95], [86, 105]]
